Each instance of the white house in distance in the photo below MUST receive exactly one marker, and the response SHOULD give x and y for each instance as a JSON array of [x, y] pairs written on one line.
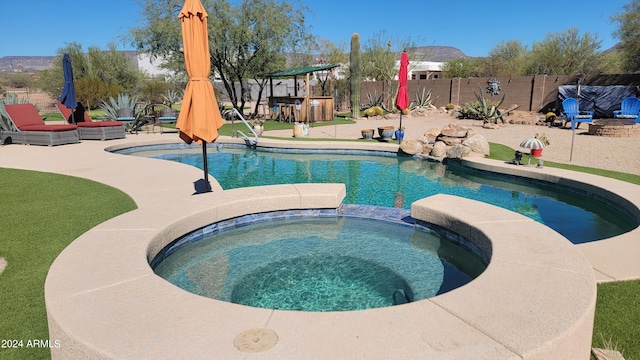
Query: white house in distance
[[418, 69], [151, 66], [423, 70], [431, 60]]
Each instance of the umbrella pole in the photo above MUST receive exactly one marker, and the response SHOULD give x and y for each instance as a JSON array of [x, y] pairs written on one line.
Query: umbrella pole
[[207, 187], [400, 128], [573, 135]]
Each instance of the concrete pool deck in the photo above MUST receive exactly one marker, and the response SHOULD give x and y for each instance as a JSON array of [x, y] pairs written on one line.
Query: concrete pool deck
[[107, 268]]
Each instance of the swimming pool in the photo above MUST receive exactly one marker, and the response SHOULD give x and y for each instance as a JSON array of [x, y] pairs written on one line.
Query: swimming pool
[[385, 179]]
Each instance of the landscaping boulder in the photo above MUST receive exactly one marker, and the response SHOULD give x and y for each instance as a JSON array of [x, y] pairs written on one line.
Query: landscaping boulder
[[454, 130], [478, 144], [450, 141], [453, 141], [411, 146], [457, 151], [439, 149], [431, 135]]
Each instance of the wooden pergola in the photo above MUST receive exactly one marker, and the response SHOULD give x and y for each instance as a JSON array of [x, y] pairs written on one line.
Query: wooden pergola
[[307, 103]]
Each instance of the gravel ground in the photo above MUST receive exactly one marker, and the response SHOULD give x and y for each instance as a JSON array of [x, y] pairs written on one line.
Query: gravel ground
[[618, 154]]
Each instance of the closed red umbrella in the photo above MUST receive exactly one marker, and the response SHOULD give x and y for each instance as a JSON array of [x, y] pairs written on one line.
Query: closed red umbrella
[[402, 100], [199, 118]]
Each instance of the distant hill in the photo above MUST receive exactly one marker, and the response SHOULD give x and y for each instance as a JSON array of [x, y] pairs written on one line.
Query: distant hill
[[25, 63], [440, 53], [35, 63]]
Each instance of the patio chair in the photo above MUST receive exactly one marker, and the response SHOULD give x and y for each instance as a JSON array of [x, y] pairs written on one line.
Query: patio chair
[[89, 129], [31, 129], [629, 109], [160, 114], [573, 114]]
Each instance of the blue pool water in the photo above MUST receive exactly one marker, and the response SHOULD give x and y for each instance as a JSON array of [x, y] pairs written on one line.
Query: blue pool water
[[321, 264], [391, 181]]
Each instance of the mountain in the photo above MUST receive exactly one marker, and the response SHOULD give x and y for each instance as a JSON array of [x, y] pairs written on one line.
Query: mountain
[[25, 63], [439, 53], [34, 63]]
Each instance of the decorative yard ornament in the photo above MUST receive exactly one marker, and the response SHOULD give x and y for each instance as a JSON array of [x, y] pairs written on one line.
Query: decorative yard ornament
[[493, 87]]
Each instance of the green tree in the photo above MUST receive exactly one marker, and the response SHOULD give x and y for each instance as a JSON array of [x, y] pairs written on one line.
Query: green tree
[[508, 59], [466, 67], [333, 53], [97, 74], [566, 53], [457, 68], [20, 80], [245, 40], [629, 34], [380, 57]]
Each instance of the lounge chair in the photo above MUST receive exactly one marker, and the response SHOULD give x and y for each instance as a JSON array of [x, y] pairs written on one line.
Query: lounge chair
[[573, 114], [629, 109], [29, 128], [92, 130]]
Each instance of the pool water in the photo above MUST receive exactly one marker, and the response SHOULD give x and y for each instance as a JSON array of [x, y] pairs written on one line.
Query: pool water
[[321, 264], [393, 181]]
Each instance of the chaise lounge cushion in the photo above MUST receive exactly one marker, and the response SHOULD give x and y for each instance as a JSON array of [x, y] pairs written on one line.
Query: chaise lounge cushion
[[87, 122], [54, 128], [26, 118], [97, 124]]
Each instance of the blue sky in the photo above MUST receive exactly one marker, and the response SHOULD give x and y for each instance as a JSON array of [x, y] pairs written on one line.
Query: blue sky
[[474, 27]]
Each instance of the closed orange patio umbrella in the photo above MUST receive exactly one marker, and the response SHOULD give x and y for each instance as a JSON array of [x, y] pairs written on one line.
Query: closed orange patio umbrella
[[199, 118]]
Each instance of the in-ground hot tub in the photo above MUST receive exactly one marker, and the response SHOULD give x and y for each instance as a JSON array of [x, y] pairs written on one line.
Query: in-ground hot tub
[[535, 300], [305, 262]]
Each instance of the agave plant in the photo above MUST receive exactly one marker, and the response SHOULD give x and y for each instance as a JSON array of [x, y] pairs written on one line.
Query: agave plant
[[10, 99], [423, 101], [227, 114], [5, 124], [122, 106], [486, 110], [171, 97]]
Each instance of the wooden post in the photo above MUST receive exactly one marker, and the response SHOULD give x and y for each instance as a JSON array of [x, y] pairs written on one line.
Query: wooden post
[[306, 100]]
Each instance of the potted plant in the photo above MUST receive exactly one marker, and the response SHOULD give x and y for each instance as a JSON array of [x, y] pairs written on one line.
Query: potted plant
[[367, 133], [543, 138], [258, 127], [386, 132], [399, 134]]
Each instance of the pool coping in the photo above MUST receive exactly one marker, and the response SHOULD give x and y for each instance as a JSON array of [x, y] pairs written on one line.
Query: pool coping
[[103, 301], [121, 309]]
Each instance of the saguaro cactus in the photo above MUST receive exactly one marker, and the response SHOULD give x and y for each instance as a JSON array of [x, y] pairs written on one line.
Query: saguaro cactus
[[355, 75]]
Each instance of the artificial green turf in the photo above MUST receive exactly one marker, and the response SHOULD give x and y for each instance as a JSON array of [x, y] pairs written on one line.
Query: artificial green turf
[[505, 153], [226, 129], [40, 214], [618, 317]]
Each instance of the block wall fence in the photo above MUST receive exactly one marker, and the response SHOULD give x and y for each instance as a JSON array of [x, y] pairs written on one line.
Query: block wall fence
[[532, 93]]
